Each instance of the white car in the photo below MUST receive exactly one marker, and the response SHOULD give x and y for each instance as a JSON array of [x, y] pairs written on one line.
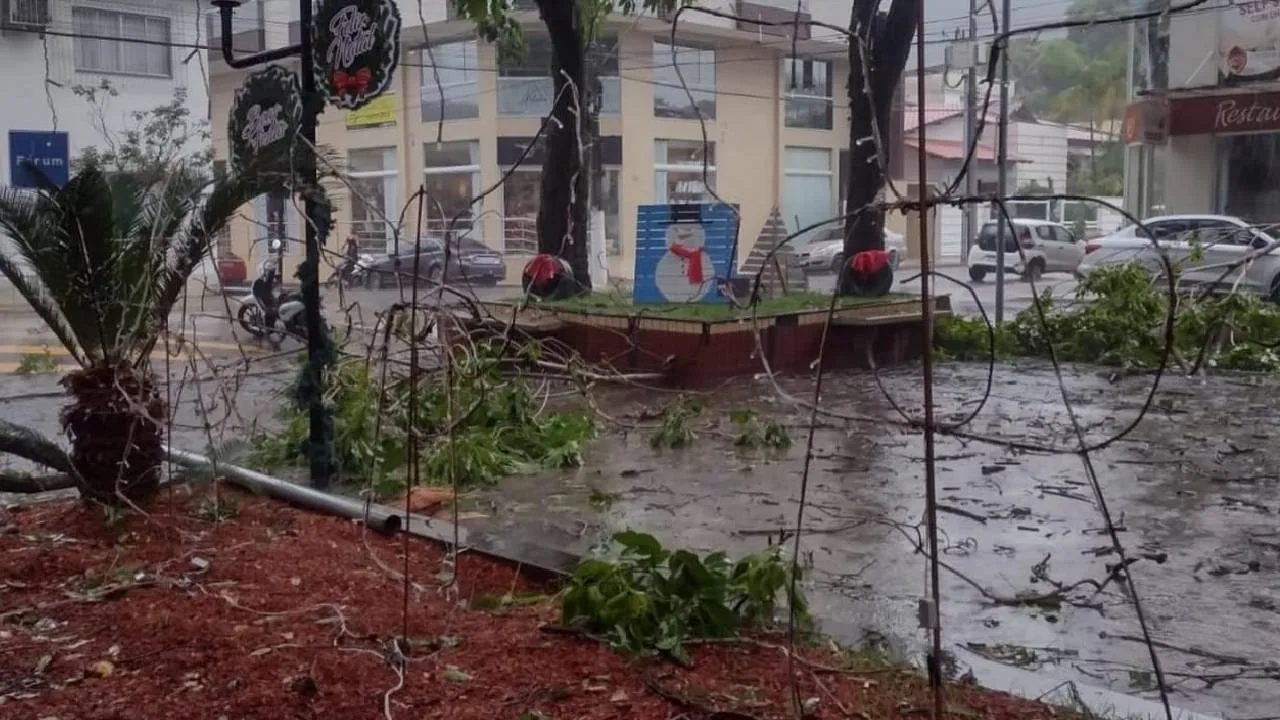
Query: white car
[[1214, 250], [824, 251], [1045, 247]]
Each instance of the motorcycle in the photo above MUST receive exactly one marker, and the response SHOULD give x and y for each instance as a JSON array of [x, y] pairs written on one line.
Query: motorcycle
[[355, 277], [289, 317]]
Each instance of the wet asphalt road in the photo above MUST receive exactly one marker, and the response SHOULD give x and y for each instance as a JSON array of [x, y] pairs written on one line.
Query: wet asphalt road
[[1018, 293], [1193, 492]]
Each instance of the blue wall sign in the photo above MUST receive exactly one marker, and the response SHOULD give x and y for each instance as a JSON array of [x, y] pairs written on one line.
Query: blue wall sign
[[681, 252], [49, 151]]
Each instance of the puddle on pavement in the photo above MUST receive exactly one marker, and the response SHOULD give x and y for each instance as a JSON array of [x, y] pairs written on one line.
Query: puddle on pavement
[[1194, 490]]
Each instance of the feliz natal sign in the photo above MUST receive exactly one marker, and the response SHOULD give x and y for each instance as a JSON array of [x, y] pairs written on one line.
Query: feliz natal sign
[[266, 116], [356, 47]]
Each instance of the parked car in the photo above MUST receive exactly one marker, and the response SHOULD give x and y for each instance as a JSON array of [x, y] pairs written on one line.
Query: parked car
[[469, 261], [823, 251], [1204, 247], [232, 269], [1045, 247]]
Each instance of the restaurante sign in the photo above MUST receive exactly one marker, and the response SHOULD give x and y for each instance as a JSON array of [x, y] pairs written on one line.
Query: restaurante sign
[[1246, 112]]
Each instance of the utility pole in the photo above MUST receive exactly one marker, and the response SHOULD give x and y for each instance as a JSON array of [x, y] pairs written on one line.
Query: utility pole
[[320, 431], [970, 128], [1002, 159]]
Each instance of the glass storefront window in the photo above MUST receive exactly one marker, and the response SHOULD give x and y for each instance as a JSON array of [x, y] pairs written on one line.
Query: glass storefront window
[[698, 66], [1251, 176], [373, 177], [808, 93], [1155, 187], [611, 192], [678, 171], [525, 89], [452, 174], [456, 65], [520, 196], [806, 186]]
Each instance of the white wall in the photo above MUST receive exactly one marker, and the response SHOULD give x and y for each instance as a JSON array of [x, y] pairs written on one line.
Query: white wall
[[1190, 171], [1044, 148], [1193, 48], [40, 98]]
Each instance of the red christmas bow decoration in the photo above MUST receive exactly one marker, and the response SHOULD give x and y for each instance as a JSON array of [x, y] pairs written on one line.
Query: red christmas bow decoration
[[355, 82], [870, 262], [543, 268], [693, 262]]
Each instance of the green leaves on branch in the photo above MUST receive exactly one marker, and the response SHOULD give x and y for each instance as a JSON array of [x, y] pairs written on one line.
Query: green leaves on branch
[[675, 432], [757, 433], [650, 600], [1119, 320], [497, 427]]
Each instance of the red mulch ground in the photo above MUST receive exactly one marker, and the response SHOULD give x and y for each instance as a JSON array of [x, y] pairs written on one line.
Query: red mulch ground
[[171, 616]]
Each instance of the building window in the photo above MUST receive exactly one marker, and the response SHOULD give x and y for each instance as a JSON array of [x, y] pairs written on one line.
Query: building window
[[520, 196], [374, 206], [806, 187], [698, 66], [611, 199], [1250, 176], [452, 171], [276, 218], [457, 65], [808, 93], [526, 89], [678, 171], [603, 53], [121, 57]]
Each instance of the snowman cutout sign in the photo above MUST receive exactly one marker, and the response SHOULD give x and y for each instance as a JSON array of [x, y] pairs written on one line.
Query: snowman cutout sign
[[685, 273]]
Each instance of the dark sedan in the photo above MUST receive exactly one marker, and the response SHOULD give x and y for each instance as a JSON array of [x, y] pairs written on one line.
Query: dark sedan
[[470, 261]]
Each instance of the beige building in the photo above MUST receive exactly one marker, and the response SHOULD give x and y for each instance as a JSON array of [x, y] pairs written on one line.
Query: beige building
[[776, 129]]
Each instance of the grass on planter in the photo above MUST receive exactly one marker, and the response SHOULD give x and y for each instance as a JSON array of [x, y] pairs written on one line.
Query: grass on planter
[[616, 304]]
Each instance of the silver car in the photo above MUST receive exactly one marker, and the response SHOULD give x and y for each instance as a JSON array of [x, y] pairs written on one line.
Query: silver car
[[1045, 247], [1219, 251], [824, 251]]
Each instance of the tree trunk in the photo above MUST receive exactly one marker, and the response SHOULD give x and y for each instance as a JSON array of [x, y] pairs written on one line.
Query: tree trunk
[[562, 210], [887, 37], [116, 427]]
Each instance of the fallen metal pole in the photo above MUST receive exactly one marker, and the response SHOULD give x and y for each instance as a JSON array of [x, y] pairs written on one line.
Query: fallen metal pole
[[378, 517]]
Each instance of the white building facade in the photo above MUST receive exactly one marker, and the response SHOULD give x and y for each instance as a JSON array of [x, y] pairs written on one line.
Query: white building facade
[[1203, 125], [51, 48]]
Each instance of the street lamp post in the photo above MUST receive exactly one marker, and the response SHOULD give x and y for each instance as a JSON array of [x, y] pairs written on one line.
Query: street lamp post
[[320, 435]]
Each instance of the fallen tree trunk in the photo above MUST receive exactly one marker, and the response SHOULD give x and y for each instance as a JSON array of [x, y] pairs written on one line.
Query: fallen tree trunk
[[30, 445], [20, 483]]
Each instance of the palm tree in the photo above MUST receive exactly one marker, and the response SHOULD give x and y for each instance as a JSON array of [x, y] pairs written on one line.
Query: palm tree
[[103, 260]]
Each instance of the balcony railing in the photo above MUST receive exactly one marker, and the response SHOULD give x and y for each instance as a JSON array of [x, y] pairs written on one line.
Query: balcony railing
[[520, 234]]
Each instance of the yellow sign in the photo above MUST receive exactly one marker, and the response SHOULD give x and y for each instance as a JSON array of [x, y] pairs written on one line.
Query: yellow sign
[[382, 110]]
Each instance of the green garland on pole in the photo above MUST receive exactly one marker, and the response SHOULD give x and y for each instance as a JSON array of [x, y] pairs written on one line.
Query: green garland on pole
[[308, 389]]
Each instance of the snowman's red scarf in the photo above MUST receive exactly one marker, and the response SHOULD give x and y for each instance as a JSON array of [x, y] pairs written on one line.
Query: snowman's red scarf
[[693, 262]]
